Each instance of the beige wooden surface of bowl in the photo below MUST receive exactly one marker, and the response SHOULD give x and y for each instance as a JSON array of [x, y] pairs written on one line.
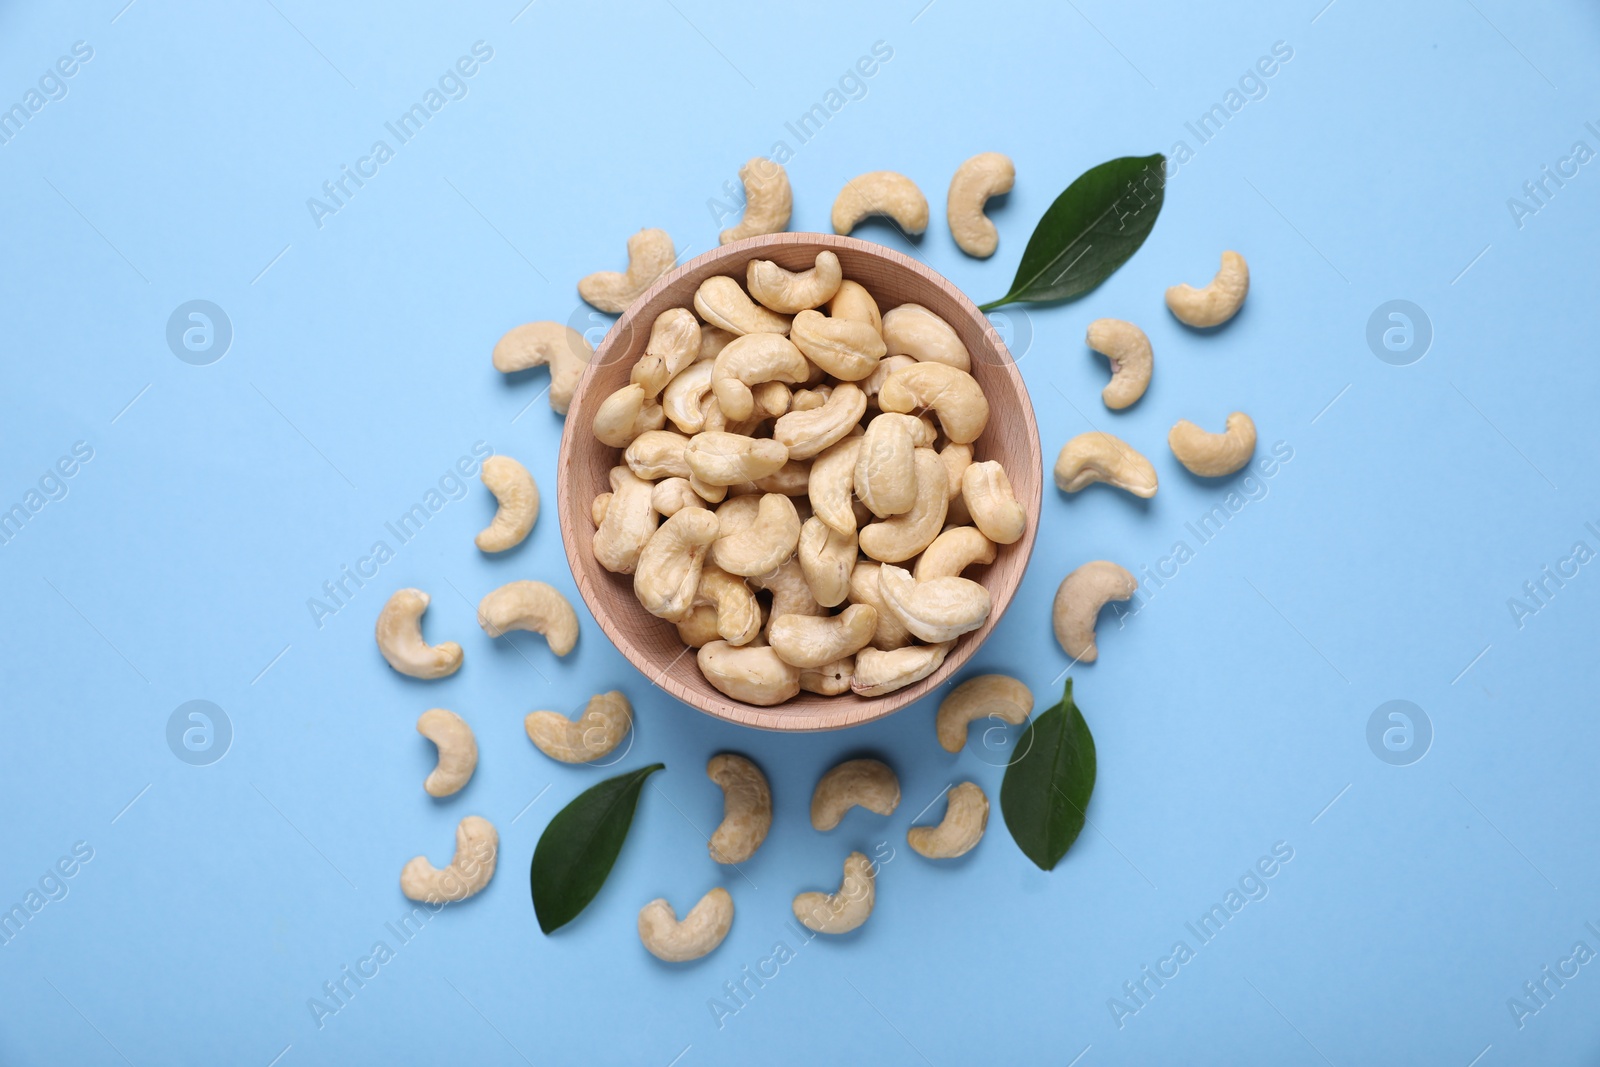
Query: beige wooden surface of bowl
[[652, 644]]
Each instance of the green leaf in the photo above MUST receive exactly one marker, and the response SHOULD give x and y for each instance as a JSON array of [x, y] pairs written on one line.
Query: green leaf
[[1045, 793], [576, 851], [1091, 230]]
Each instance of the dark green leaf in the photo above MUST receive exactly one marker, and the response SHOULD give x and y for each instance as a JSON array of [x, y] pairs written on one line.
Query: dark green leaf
[[1090, 231], [1045, 793], [577, 849]]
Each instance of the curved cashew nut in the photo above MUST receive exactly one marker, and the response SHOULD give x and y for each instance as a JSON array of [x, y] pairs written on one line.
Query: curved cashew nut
[[787, 292], [879, 672], [812, 641], [626, 414], [912, 330], [668, 575], [470, 868], [650, 255], [790, 593], [954, 396], [737, 612], [672, 495], [535, 344], [988, 696], [992, 504], [809, 399], [713, 339], [657, 454], [826, 558], [602, 726], [864, 589], [530, 605], [956, 460], [751, 673], [1131, 360], [771, 399], [750, 360], [853, 303], [629, 520], [699, 627], [830, 679], [768, 201], [966, 815], [831, 487], [805, 433], [598, 508], [952, 552], [1100, 457], [855, 783], [1078, 602], [674, 344], [746, 807], [684, 396], [899, 537], [757, 546], [885, 474], [1214, 455], [723, 303], [514, 488], [717, 457], [400, 638], [843, 911], [701, 931], [984, 175], [1218, 301], [881, 192], [938, 610], [458, 751], [846, 349], [872, 385]]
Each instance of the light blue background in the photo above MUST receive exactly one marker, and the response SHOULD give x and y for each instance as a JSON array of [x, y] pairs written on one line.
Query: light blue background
[[1230, 712]]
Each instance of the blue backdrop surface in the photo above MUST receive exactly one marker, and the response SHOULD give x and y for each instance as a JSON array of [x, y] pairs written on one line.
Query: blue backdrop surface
[[1416, 190]]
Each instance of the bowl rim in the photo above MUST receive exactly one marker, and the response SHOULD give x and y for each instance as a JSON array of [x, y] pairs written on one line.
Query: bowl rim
[[782, 717]]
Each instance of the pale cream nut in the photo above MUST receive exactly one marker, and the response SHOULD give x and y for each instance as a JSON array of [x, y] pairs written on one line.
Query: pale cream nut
[[400, 638], [1132, 360], [879, 672], [746, 807], [650, 255], [668, 575], [723, 303], [753, 674], [844, 910], [788, 292], [854, 304], [1218, 301], [674, 343], [701, 931], [856, 783], [846, 349], [984, 175], [953, 395], [626, 414], [1214, 455], [991, 503], [535, 344], [514, 488], [812, 641], [605, 721], [952, 552], [988, 696], [1078, 602], [938, 610], [530, 605], [966, 816], [912, 330], [1100, 457], [900, 537], [881, 192], [458, 751], [750, 360], [629, 520], [768, 201], [469, 871]]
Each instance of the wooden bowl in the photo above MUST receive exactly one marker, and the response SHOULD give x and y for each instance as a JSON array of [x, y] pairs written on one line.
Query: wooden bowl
[[652, 644]]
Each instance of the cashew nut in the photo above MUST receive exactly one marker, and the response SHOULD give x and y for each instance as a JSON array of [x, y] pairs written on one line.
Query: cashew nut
[[722, 302], [984, 175], [832, 485], [458, 751], [899, 537], [721, 458], [672, 495], [853, 303], [699, 627], [791, 595], [650, 255], [758, 545], [470, 868], [791, 479], [863, 783], [591, 736], [843, 911], [848, 350], [701, 931], [535, 344], [952, 552], [873, 384], [1078, 602], [966, 815], [771, 400], [805, 433], [746, 807], [809, 399], [1100, 457], [598, 508], [737, 613], [885, 474], [864, 589], [992, 504], [684, 396], [626, 414], [1218, 301], [674, 343], [954, 396], [788, 292], [1131, 360], [629, 521], [514, 488], [530, 605], [826, 558], [988, 696], [658, 454], [937, 610], [668, 575], [400, 638], [879, 672], [956, 460], [1213, 455], [753, 673], [750, 360], [912, 330], [830, 679], [881, 192], [812, 641], [712, 340], [767, 201]]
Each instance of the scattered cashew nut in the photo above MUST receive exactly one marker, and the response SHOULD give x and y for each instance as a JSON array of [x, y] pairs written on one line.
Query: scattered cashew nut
[[988, 696], [768, 201], [650, 255], [863, 783], [1216, 302], [1078, 602], [400, 638], [701, 931], [1214, 455], [469, 871], [1131, 360], [966, 815], [591, 736], [458, 751], [746, 807], [843, 911], [535, 344], [518, 495], [881, 192], [984, 175], [1100, 457], [530, 605]]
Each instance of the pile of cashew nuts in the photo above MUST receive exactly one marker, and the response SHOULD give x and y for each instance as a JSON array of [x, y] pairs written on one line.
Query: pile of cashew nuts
[[816, 448], [1101, 457]]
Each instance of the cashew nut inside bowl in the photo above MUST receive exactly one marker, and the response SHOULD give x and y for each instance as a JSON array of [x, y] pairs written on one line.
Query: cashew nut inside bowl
[[593, 735], [865, 783], [530, 605], [458, 751], [469, 871], [1214, 455], [789, 292], [844, 910], [746, 807], [881, 192], [1218, 301], [988, 696], [1078, 602], [965, 818], [912, 330], [701, 931], [650, 255], [535, 344], [1100, 457], [768, 201], [1128, 349], [518, 496], [400, 638], [879, 672]]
